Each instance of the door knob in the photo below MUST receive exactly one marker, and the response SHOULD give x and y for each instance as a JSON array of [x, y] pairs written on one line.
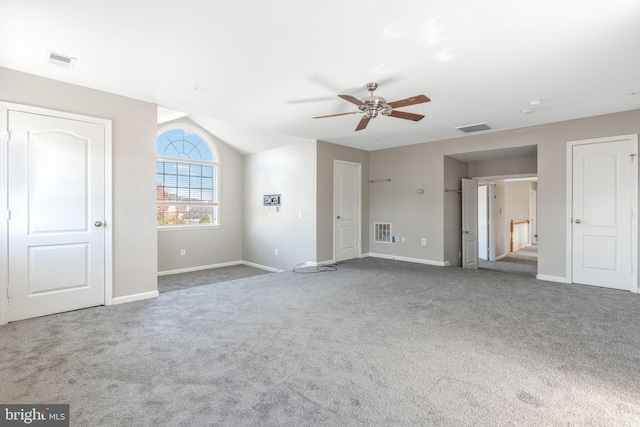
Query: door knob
[[578, 221], [338, 217], [98, 224]]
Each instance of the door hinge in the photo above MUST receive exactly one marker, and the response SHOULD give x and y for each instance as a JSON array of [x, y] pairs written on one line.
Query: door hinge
[[5, 136], [8, 293]]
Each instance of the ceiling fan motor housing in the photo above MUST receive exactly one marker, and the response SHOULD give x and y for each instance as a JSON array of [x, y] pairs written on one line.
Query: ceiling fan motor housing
[[374, 105]]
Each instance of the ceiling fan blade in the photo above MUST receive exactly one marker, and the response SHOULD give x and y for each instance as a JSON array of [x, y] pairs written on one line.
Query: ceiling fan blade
[[352, 99], [363, 123], [334, 115], [405, 115], [419, 99]]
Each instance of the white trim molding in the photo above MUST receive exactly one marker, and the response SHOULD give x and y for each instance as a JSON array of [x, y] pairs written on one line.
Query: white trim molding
[[198, 268], [408, 259], [135, 297], [262, 267], [557, 279]]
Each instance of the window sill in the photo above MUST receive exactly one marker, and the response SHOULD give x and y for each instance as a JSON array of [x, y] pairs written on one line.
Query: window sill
[[187, 227]]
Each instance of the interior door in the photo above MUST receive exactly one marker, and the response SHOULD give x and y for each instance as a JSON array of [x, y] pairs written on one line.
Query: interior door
[[469, 223], [346, 203], [56, 198], [602, 214]]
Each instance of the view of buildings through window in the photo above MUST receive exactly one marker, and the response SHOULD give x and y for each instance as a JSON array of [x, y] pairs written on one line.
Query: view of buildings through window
[[186, 180]]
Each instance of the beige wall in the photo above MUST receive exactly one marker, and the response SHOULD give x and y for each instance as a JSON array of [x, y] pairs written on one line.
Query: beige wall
[[504, 167], [517, 201], [454, 171], [291, 172], [209, 246], [501, 229], [327, 153], [422, 165], [134, 132]]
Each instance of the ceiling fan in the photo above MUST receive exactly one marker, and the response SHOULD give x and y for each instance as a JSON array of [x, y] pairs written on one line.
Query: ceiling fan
[[371, 105]]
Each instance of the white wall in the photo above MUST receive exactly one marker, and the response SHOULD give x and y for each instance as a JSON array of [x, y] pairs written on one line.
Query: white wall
[[422, 165], [134, 132], [209, 246], [291, 172]]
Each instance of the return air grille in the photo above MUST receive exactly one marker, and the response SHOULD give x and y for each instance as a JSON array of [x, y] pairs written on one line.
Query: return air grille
[[61, 60], [475, 127], [382, 232]]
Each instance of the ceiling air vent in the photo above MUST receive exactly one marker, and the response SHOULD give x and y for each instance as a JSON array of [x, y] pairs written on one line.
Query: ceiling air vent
[[61, 60], [475, 128]]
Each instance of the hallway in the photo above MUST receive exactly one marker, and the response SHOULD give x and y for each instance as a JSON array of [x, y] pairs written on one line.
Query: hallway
[[523, 262]]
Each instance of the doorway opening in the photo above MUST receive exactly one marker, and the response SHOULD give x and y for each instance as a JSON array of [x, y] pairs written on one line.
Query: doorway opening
[[511, 223], [504, 189]]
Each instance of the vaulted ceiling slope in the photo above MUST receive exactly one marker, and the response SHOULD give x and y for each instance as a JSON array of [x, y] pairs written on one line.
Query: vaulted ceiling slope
[[255, 72]]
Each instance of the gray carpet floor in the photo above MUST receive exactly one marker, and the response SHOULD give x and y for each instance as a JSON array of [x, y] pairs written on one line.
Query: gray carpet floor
[[177, 282], [524, 262], [375, 343]]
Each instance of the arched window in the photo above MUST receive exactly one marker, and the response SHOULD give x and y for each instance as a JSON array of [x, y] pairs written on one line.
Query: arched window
[[186, 178]]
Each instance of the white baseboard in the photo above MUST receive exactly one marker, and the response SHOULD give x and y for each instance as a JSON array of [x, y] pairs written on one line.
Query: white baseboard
[[135, 297], [261, 267], [408, 259], [499, 257], [315, 264], [198, 268], [557, 279]]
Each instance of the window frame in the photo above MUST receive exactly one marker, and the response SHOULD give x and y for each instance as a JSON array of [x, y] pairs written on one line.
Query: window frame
[[214, 162]]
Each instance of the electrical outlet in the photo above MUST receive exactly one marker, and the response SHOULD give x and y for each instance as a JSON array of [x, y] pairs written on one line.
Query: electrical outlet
[[276, 252], [183, 252], [300, 214], [424, 242], [404, 240]]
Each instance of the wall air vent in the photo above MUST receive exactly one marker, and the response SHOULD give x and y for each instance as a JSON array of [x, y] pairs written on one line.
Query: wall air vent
[[61, 60], [382, 232], [475, 127]]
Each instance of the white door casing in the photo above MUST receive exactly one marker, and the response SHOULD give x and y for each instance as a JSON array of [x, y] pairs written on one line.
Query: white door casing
[[533, 217], [346, 210], [58, 237], [602, 204], [469, 223]]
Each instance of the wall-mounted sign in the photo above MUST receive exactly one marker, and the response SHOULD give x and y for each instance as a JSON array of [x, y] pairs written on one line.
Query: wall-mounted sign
[[271, 200]]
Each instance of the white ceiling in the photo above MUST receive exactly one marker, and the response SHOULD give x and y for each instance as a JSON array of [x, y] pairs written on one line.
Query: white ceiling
[[264, 68]]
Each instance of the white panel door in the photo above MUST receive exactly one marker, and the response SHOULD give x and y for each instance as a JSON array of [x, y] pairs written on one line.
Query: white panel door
[[346, 193], [602, 214], [56, 196], [469, 223]]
